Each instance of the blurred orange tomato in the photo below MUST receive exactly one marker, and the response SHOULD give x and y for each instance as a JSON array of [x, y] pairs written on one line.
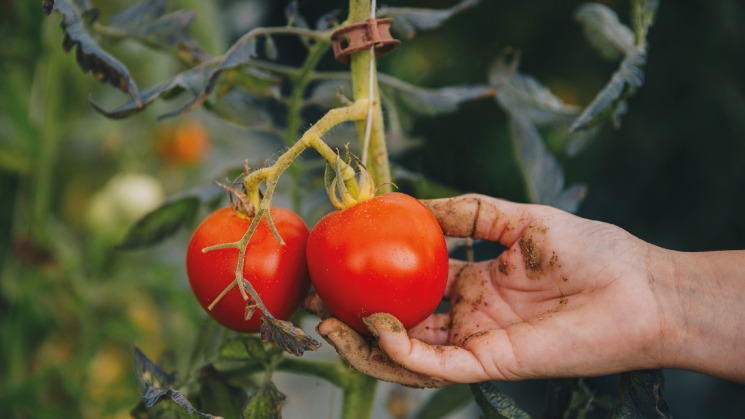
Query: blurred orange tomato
[[184, 144]]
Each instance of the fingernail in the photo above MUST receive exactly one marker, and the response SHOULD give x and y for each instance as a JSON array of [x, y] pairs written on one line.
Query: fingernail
[[382, 322]]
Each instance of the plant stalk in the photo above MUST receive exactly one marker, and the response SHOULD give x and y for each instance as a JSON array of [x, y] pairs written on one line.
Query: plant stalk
[[377, 157]]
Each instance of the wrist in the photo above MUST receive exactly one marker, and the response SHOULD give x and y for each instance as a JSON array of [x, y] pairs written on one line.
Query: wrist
[[700, 304]]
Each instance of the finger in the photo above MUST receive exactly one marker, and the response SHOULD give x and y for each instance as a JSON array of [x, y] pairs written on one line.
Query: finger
[[434, 330], [314, 305], [484, 218], [455, 267], [368, 359], [447, 363]]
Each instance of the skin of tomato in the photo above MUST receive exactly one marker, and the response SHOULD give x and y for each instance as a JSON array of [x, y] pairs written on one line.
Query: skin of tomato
[[279, 274], [385, 254]]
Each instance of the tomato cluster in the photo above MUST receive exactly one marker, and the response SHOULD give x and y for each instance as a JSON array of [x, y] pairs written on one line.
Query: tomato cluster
[[384, 254]]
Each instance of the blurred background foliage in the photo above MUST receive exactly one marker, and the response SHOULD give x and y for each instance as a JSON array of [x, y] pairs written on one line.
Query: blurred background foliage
[[71, 307]]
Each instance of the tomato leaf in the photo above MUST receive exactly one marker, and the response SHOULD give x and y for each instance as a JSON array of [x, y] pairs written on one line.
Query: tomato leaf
[[494, 403], [225, 72], [444, 401], [155, 385], [431, 102], [264, 402], [149, 374], [409, 20], [610, 102], [649, 383], [89, 54], [218, 394], [160, 223], [544, 178], [148, 23], [526, 96], [287, 336], [604, 31]]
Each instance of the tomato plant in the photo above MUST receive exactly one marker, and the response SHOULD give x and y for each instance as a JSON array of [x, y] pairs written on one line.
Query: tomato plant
[[384, 254], [278, 274]]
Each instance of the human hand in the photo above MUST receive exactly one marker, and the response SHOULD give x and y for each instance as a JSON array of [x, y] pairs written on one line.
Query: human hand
[[568, 297]]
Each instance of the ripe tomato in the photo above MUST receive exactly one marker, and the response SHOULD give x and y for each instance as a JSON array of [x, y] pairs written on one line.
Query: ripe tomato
[[279, 274], [385, 254]]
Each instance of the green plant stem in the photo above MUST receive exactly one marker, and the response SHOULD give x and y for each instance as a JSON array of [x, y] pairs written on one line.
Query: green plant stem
[[294, 119], [377, 158]]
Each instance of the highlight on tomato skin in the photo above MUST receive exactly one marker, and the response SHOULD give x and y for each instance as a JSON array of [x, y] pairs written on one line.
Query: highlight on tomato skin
[[385, 254], [279, 274]]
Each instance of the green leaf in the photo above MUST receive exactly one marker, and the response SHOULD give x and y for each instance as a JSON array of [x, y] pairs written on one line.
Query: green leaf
[[495, 404], [544, 178], [148, 23], [155, 384], [190, 80], [523, 95], [160, 223], [409, 20], [444, 401], [611, 100], [218, 395], [431, 102], [604, 31], [148, 374], [643, 13], [218, 74], [90, 56], [264, 403], [647, 382], [287, 336]]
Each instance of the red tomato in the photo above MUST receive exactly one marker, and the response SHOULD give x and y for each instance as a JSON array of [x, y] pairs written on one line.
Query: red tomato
[[279, 274], [385, 254]]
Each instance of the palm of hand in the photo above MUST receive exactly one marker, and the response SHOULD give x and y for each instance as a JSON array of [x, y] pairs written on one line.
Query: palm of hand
[[557, 302]]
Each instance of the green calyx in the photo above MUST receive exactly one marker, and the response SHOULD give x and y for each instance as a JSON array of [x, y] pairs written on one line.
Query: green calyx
[[342, 196]]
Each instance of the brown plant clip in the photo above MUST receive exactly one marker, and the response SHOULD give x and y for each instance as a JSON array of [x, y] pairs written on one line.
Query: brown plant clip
[[361, 36]]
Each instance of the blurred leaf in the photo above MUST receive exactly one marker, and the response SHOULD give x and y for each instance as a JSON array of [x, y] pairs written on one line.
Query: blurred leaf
[[494, 403], [293, 16], [148, 374], [432, 102], [421, 187], [264, 403], [190, 80], [155, 385], [544, 178], [604, 31], [610, 101], [217, 395], [160, 223], [523, 95], [444, 401], [90, 56], [148, 22], [247, 347], [649, 383], [409, 20], [204, 79], [287, 336], [47, 6], [643, 13]]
